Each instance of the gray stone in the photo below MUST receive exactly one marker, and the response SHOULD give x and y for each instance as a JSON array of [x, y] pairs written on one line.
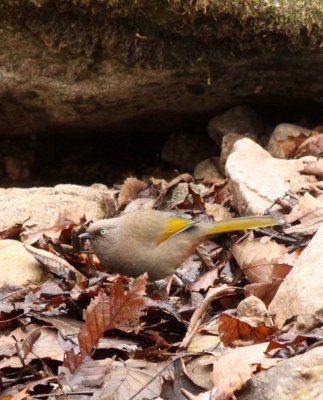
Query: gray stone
[[301, 291], [42, 205], [207, 170], [240, 119], [185, 151], [18, 268], [228, 142], [280, 134], [299, 377], [257, 179]]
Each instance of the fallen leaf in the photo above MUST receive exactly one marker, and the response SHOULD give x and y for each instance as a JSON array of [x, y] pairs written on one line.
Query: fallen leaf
[[119, 309], [243, 330], [301, 291], [45, 347], [56, 264], [235, 367], [199, 313], [126, 379], [89, 374], [313, 166], [204, 281], [260, 259], [313, 146], [130, 190], [290, 144], [307, 209]]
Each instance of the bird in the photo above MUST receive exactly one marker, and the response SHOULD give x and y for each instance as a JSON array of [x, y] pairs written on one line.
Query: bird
[[157, 242]]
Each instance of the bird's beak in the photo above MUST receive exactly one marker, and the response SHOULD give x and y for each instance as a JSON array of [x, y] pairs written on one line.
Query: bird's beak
[[86, 235]]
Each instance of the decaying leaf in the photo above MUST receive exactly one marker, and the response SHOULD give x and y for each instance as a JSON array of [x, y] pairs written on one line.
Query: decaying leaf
[[118, 309], [313, 166], [56, 264], [260, 259], [235, 367], [25, 346], [130, 190], [126, 379], [290, 144], [45, 346], [247, 330], [307, 209], [90, 374], [313, 146]]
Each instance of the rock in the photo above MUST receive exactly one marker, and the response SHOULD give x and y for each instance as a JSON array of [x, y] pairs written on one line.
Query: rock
[[42, 205], [228, 142], [301, 291], [257, 179], [289, 380], [281, 133], [18, 268], [298, 375], [313, 146], [207, 170], [91, 68], [18, 162], [240, 119], [186, 151]]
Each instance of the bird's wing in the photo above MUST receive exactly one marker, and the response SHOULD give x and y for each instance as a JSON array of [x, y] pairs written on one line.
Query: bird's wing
[[175, 226]]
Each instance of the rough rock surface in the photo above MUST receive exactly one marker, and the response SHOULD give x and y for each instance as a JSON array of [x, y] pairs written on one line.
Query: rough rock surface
[[18, 267], [240, 119], [299, 377], [185, 151], [301, 291], [281, 133], [81, 65], [257, 179], [42, 205], [228, 142]]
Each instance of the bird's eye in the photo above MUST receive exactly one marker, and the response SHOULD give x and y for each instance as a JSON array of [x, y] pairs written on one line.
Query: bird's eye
[[103, 231]]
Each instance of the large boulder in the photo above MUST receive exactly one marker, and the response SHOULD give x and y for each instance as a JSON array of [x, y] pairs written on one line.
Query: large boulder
[[97, 64]]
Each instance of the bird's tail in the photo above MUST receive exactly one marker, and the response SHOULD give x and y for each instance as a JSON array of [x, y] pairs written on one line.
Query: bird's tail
[[236, 224]]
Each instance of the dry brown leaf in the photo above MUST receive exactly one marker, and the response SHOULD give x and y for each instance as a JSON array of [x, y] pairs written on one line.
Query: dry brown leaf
[[110, 204], [89, 374], [260, 259], [306, 228], [198, 314], [119, 309], [264, 291], [307, 209], [313, 166], [201, 375], [130, 190], [204, 281], [124, 380], [237, 330], [313, 146], [235, 367], [291, 143], [24, 347], [56, 264], [45, 347]]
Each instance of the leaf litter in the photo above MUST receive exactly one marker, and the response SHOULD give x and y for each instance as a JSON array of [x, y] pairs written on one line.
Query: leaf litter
[[86, 334]]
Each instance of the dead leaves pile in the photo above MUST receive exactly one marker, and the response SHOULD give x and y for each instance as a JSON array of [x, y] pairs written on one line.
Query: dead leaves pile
[[86, 334]]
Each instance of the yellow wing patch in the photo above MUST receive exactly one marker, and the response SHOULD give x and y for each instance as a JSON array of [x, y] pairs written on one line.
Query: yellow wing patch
[[175, 225]]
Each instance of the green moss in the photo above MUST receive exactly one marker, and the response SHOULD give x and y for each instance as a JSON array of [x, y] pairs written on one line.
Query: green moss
[[171, 33]]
